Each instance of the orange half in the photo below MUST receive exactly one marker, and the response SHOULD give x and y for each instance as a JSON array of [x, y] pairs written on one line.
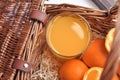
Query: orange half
[[93, 73], [109, 39]]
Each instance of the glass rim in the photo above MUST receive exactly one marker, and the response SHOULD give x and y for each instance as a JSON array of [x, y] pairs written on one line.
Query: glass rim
[[54, 50]]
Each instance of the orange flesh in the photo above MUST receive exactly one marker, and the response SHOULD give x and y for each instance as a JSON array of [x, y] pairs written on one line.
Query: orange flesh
[[92, 75], [68, 35]]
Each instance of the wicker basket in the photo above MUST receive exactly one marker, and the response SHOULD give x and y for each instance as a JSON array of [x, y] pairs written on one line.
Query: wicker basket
[[22, 39]]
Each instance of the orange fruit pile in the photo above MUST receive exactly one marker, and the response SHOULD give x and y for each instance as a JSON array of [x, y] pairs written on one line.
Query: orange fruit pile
[[89, 66]]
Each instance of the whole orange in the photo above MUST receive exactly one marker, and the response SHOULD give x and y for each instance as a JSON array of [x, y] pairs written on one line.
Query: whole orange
[[96, 54], [72, 70]]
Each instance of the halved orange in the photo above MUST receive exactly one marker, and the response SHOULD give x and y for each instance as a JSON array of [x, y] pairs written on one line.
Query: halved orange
[[94, 73], [109, 39]]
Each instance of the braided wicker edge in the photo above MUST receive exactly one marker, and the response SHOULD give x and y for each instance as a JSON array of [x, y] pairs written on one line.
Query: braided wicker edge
[[36, 47]]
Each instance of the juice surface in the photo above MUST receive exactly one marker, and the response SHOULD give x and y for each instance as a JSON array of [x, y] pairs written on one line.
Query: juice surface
[[68, 34]]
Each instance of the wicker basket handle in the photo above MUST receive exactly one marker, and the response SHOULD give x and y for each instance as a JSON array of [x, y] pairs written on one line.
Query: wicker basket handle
[[112, 63]]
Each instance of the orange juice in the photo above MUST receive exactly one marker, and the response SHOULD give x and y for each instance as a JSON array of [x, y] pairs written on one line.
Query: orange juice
[[68, 34]]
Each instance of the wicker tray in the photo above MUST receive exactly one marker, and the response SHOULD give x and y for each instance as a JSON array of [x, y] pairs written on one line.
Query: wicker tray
[[29, 45]]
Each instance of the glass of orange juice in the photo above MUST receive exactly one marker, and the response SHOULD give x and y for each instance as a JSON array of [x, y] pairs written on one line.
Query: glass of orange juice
[[68, 35]]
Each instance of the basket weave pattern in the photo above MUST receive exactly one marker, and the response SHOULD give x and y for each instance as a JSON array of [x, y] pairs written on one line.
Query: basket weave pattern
[[24, 39], [15, 32]]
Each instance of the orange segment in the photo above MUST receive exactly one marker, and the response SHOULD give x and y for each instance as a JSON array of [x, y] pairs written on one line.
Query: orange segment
[[94, 73], [109, 39]]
